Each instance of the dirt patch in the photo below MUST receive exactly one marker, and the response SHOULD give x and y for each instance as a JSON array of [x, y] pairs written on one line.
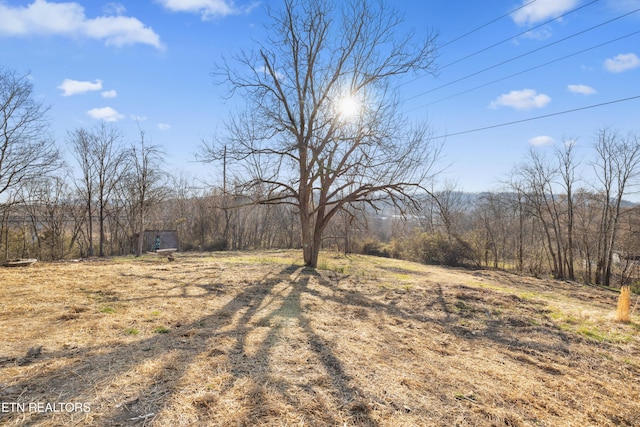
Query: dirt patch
[[255, 339]]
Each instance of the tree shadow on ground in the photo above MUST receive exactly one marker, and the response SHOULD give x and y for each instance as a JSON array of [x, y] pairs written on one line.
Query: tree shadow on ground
[[244, 338], [92, 374]]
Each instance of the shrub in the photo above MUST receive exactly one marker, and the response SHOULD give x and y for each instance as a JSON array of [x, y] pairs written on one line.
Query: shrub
[[397, 248], [216, 245], [438, 249], [375, 248]]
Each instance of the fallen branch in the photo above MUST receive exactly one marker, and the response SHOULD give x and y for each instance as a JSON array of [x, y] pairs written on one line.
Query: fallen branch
[[142, 417]]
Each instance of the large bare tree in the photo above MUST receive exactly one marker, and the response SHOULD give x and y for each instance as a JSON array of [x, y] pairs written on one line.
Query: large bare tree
[[26, 150], [322, 128]]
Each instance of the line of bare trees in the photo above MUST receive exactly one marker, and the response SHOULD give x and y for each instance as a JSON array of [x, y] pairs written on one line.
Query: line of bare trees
[[111, 190], [558, 214], [549, 219], [306, 173]]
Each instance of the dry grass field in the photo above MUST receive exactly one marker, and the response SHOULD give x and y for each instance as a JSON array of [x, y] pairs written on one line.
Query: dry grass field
[[243, 339]]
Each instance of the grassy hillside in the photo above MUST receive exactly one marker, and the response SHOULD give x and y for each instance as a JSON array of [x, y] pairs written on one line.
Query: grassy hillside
[[256, 339]]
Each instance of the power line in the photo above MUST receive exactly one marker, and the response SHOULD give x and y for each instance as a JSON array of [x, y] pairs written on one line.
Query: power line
[[468, 33], [527, 70], [519, 34], [524, 54], [558, 113], [502, 41]]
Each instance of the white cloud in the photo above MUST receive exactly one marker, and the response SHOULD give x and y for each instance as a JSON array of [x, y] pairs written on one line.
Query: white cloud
[[541, 140], [524, 99], [114, 9], [138, 118], [121, 31], [543, 33], [206, 8], [73, 87], [582, 89], [164, 126], [622, 62], [107, 114], [68, 19], [109, 94], [263, 70], [542, 10]]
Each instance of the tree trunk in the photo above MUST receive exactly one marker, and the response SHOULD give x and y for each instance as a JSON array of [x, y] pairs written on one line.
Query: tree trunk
[[312, 237], [140, 233], [607, 262], [570, 256], [310, 253], [90, 224], [559, 274], [520, 237], [101, 225]]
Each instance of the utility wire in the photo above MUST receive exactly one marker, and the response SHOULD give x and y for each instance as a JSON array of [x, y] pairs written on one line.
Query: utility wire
[[523, 55], [502, 41], [558, 113], [468, 33], [527, 70], [518, 35]]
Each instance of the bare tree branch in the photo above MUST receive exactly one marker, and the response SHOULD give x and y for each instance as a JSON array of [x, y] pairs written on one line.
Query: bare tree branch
[[295, 144], [26, 150]]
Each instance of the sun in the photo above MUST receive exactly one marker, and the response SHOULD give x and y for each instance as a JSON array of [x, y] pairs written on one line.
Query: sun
[[348, 107]]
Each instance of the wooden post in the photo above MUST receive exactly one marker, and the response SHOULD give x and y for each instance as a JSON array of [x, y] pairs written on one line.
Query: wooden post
[[624, 303]]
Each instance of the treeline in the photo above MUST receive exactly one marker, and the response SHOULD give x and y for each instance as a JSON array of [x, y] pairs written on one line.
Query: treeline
[[50, 219], [558, 214], [548, 220]]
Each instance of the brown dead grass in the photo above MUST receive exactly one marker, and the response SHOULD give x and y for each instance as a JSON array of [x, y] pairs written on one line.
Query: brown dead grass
[[240, 339]]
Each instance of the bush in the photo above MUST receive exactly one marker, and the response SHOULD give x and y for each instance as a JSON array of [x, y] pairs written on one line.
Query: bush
[[397, 248], [375, 248], [423, 247], [216, 245], [437, 249]]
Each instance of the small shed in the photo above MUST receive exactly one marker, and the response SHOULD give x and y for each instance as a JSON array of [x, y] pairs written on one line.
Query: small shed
[[166, 238]]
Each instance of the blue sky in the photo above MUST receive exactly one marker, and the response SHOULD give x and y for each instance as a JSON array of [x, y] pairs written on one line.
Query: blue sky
[[148, 63]]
